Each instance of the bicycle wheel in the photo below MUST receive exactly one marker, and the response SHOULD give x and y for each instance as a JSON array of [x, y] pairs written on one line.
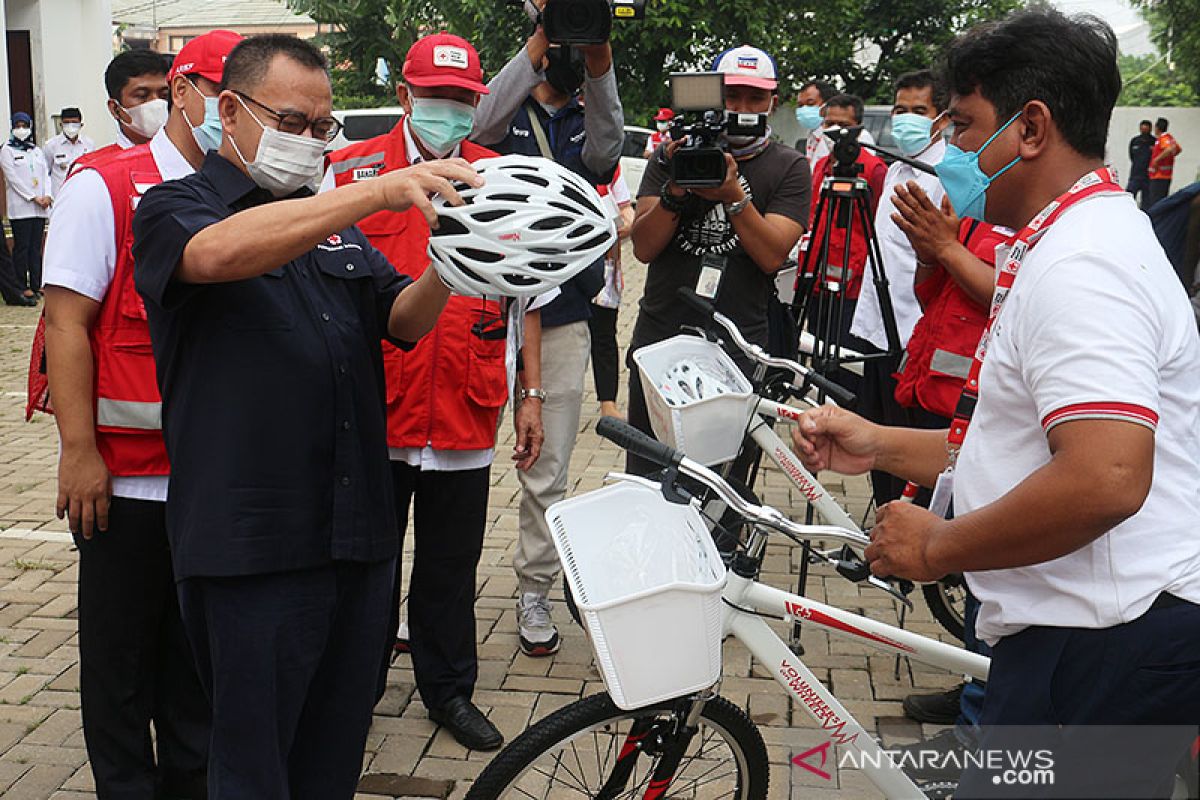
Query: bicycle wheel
[[573, 752], [947, 601]]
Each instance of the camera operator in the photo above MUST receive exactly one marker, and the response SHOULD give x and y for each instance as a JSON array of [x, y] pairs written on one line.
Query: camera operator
[[533, 108], [750, 223]]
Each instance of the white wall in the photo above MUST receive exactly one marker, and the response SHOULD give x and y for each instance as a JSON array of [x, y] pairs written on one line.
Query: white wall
[[71, 44], [5, 111], [1185, 127]]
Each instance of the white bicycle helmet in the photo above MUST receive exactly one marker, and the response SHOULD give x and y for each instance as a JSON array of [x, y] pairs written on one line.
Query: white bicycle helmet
[[532, 226], [689, 380]]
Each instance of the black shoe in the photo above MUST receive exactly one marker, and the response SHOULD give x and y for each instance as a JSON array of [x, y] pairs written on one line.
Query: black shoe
[[938, 758], [467, 725], [23, 301], [936, 709]]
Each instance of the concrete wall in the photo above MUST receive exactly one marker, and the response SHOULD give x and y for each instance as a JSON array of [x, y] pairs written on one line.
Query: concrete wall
[[71, 44]]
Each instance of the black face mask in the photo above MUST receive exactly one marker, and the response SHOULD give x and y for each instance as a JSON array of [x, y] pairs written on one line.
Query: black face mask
[[564, 70]]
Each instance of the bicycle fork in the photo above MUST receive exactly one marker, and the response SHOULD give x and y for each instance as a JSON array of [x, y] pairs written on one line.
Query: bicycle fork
[[648, 736]]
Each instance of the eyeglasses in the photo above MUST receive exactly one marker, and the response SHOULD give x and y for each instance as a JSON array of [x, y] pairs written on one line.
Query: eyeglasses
[[294, 122]]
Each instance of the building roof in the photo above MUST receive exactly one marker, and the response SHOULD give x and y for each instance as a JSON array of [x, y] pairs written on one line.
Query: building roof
[[206, 13]]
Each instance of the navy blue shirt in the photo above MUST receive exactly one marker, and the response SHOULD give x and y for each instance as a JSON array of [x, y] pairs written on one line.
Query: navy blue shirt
[[273, 390], [1139, 155], [565, 134]]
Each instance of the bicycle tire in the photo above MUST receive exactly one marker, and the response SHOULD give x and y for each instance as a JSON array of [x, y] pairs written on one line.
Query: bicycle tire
[[513, 769], [938, 596]]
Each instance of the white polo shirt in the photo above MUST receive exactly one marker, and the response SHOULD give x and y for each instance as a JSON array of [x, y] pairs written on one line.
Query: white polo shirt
[[899, 258], [1096, 326], [81, 255], [61, 153]]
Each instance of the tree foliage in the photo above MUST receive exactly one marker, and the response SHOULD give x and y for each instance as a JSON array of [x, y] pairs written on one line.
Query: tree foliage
[[861, 45], [1150, 81], [1175, 26]]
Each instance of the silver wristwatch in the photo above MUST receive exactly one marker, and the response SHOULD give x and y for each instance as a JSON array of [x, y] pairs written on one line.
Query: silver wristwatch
[[536, 394], [733, 209]]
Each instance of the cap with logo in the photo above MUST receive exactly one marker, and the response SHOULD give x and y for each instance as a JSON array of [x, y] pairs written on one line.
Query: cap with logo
[[664, 115], [747, 66], [205, 55], [443, 59]]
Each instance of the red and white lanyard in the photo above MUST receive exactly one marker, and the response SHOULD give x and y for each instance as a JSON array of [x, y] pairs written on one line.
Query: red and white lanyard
[[1102, 181]]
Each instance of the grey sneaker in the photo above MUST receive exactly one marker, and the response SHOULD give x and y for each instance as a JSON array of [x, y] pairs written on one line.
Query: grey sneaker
[[538, 635]]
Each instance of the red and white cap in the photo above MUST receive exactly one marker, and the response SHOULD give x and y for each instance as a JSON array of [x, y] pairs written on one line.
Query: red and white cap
[[443, 59], [747, 66], [205, 55], [664, 115]]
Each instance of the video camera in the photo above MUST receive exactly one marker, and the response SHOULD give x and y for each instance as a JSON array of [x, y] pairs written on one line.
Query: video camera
[[700, 162], [581, 21], [846, 149]]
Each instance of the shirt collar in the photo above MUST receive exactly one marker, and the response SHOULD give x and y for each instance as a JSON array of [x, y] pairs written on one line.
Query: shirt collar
[[934, 154], [232, 185], [413, 153], [123, 141], [170, 162]]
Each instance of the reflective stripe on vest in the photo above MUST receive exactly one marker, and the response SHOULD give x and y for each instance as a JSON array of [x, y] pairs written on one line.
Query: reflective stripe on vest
[[361, 161], [948, 363], [128, 414]]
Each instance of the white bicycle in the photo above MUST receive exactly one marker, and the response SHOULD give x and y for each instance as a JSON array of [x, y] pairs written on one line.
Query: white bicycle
[[662, 729]]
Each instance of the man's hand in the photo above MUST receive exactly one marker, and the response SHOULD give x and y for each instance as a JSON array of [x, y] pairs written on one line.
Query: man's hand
[[528, 424], [44, 201], [597, 58], [900, 543], [833, 438], [84, 489], [728, 192], [930, 230], [412, 187]]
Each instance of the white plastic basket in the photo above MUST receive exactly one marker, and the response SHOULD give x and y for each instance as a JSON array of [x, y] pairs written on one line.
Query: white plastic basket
[[709, 430], [647, 579]]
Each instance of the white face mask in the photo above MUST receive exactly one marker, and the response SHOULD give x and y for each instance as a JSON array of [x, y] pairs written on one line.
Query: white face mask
[[148, 118], [284, 162], [72, 129], [21, 134]]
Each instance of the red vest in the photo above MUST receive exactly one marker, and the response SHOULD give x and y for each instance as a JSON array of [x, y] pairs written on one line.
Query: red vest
[[943, 341], [874, 170], [447, 391]]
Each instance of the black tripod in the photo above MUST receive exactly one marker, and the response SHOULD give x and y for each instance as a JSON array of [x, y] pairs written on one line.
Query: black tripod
[[819, 304]]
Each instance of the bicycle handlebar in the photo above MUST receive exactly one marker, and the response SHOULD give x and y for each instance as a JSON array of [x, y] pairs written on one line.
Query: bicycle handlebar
[[626, 436], [840, 395]]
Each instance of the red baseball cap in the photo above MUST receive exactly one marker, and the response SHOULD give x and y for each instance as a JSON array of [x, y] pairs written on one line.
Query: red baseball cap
[[443, 59], [205, 55], [664, 115]]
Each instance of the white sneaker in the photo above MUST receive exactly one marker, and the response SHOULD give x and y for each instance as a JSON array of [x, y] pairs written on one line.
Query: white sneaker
[[538, 635]]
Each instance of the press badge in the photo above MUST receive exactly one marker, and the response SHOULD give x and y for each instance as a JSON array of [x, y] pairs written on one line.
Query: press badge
[[943, 493], [712, 269]]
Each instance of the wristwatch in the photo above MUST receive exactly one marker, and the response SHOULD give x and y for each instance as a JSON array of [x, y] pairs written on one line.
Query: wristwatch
[[536, 394], [733, 209]]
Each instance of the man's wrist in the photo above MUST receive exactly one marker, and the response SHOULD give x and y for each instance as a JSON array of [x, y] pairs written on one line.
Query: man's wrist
[[938, 550], [532, 393]]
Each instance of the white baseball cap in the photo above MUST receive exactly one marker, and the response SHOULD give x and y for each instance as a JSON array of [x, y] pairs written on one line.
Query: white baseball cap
[[746, 66]]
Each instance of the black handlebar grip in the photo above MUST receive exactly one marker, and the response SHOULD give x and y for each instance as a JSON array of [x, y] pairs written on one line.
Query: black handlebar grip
[[840, 394], [630, 438], [689, 296]]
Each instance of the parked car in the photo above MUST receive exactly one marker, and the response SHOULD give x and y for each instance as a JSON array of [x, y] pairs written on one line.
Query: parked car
[[364, 123], [633, 158]]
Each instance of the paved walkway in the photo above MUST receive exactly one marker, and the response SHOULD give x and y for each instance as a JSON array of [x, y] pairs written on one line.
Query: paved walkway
[[42, 751]]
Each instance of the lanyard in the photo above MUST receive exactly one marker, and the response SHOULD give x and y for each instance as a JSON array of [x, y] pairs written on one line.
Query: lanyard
[[1101, 181]]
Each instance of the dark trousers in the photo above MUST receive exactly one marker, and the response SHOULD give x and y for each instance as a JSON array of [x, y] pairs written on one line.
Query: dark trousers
[[1145, 672], [605, 353], [877, 402], [27, 251], [1139, 185], [290, 660], [135, 666], [450, 513], [1159, 188], [10, 289]]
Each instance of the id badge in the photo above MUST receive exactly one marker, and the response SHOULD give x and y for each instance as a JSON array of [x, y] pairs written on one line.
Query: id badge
[[712, 269], [943, 493]]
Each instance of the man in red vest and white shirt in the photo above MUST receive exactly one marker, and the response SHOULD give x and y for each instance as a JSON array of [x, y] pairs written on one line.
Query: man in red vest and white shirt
[[445, 395], [136, 667]]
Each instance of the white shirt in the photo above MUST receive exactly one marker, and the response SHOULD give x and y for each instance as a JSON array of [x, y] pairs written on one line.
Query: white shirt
[[25, 177], [1096, 326], [81, 255], [899, 258], [61, 153]]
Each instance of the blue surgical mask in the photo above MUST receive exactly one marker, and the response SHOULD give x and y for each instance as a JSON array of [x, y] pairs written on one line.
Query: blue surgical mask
[[208, 133], [965, 183], [809, 116], [911, 132], [440, 123]]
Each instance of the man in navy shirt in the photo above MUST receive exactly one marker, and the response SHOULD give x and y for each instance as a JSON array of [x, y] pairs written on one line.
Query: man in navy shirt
[[266, 308], [1139, 162]]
